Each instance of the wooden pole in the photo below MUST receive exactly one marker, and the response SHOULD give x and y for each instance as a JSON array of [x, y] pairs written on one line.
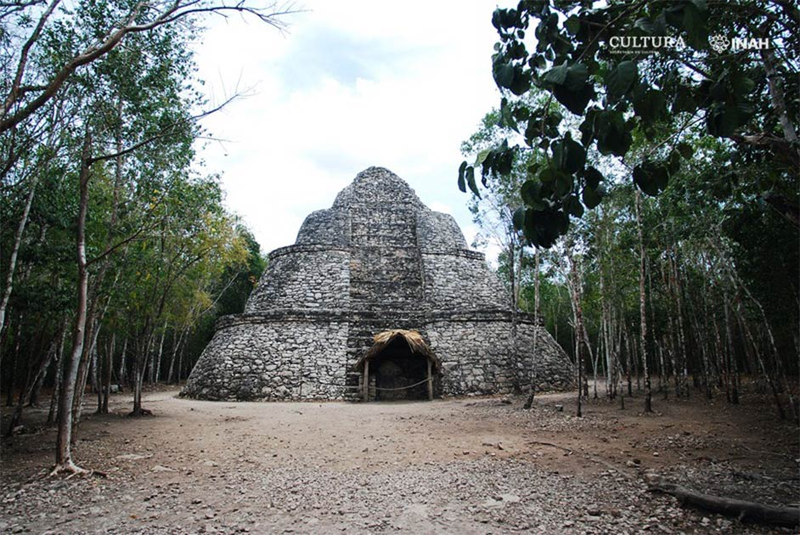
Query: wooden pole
[[430, 382], [366, 380]]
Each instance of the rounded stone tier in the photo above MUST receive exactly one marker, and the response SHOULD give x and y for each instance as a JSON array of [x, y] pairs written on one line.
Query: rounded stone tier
[[292, 354], [378, 259]]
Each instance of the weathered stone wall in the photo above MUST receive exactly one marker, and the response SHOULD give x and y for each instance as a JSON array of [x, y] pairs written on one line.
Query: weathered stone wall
[[303, 276], [547, 360], [438, 232], [378, 259], [325, 227], [462, 281], [272, 361], [480, 357]]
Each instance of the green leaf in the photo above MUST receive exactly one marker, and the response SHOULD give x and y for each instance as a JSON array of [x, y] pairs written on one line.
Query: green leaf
[[471, 181], [743, 86], [724, 120], [573, 206], [543, 227], [685, 150], [621, 79], [644, 24], [563, 184], [650, 106], [587, 127], [503, 74], [568, 155], [461, 184], [481, 157], [577, 74], [531, 193], [507, 116], [613, 134], [574, 101], [695, 23], [548, 174], [592, 196], [652, 178], [556, 75], [573, 25], [521, 82], [684, 101], [593, 177]]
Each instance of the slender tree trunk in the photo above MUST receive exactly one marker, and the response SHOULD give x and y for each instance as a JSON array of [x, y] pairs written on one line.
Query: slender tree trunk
[[731, 353], [12, 262], [59, 376], [160, 352], [648, 399], [677, 290], [30, 385], [98, 360], [764, 371], [122, 362], [176, 347], [13, 371], [64, 438], [140, 363], [181, 354], [701, 335], [576, 298], [107, 379], [83, 375], [536, 316]]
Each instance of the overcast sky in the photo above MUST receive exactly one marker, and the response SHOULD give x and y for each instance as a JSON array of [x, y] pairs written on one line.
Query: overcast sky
[[350, 84]]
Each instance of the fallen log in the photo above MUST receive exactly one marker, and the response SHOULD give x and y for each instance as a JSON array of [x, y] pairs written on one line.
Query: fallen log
[[743, 510]]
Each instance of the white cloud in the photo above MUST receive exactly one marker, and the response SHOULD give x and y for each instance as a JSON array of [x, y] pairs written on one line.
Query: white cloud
[[353, 84]]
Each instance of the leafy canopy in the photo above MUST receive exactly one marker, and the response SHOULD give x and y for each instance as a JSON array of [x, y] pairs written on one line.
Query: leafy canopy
[[666, 85]]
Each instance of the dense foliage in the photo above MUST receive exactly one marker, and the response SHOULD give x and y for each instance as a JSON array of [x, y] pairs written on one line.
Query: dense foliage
[[661, 71], [117, 251], [720, 278]]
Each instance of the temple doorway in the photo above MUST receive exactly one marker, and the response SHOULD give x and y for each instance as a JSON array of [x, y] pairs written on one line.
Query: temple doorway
[[399, 366]]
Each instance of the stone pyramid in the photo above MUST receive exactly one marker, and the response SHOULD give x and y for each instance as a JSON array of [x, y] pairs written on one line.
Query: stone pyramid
[[377, 260]]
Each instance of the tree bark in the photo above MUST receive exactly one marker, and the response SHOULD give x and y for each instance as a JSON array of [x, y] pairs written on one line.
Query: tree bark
[[743, 510], [648, 399], [59, 376], [536, 316], [12, 262], [64, 438]]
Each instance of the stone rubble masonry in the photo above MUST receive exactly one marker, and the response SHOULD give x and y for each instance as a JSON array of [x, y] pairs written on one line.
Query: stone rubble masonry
[[377, 259]]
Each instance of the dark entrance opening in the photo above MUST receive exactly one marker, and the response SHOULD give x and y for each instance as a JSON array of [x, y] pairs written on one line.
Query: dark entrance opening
[[399, 366], [400, 374]]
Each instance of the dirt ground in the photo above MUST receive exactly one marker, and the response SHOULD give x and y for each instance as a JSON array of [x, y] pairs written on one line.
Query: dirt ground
[[449, 466]]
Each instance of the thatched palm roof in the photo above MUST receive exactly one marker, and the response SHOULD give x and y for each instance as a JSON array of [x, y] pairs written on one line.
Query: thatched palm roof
[[414, 340]]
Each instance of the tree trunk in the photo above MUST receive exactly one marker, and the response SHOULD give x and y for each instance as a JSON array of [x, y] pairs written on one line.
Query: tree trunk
[[160, 352], [98, 379], [536, 315], [767, 376], [648, 400], [677, 292], [13, 371], [64, 439], [107, 379], [59, 376], [731, 352], [12, 262], [122, 360], [743, 510], [576, 298], [30, 385]]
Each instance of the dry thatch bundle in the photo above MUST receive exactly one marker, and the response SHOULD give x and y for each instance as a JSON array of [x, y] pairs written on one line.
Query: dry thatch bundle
[[412, 338]]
